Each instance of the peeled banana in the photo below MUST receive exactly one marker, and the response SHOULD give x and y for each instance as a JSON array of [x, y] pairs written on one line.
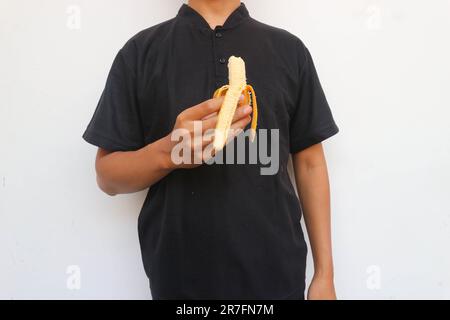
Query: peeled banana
[[232, 91]]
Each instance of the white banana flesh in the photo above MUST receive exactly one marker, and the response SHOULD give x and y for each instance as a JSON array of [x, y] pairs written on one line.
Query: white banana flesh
[[237, 84]]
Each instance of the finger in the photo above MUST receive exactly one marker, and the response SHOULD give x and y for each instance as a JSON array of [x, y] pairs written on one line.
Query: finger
[[203, 109], [209, 123], [241, 99], [233, 134], [210, 115], [240, 113], [208, 137], [240, 102], [237, 128], [208, 146], [242, 123]]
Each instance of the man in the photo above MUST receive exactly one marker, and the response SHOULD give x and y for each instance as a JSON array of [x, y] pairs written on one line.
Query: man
[[218, 231]]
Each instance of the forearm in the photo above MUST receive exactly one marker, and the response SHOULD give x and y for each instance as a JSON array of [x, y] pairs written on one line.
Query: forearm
[[314, 193], [131, 171]]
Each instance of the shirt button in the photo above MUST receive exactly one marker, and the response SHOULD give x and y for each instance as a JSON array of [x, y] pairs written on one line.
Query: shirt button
[[218, 35], [222, 60]]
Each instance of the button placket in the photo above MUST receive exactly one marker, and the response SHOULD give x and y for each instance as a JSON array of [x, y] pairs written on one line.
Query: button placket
[[220, 60]]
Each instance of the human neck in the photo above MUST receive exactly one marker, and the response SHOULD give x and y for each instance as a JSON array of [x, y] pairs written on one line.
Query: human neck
[[215, 12]]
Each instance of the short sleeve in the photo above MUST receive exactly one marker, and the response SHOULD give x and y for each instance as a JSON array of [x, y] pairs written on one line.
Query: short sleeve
[[116, 123], [312, 120]]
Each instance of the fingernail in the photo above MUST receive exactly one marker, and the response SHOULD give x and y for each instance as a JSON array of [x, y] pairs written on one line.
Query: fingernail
[[241, 97], [247, 109]]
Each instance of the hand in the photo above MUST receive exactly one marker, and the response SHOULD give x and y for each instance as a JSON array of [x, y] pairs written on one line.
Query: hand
[[204, 115], [321, 288]]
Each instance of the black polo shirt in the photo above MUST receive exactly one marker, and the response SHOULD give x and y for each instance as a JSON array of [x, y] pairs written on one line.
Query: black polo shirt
[[220, 230]]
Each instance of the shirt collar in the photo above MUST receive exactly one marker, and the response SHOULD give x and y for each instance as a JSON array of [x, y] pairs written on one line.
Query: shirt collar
[[187, 13]]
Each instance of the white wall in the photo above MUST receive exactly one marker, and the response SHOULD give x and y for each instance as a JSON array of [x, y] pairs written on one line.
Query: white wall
[[384, 65]]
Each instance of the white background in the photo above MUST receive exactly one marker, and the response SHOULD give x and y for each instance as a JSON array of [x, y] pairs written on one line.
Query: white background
[[386, 71]]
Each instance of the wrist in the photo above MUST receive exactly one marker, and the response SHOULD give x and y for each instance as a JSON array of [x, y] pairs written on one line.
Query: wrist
[[164, 150], [324, 271]]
